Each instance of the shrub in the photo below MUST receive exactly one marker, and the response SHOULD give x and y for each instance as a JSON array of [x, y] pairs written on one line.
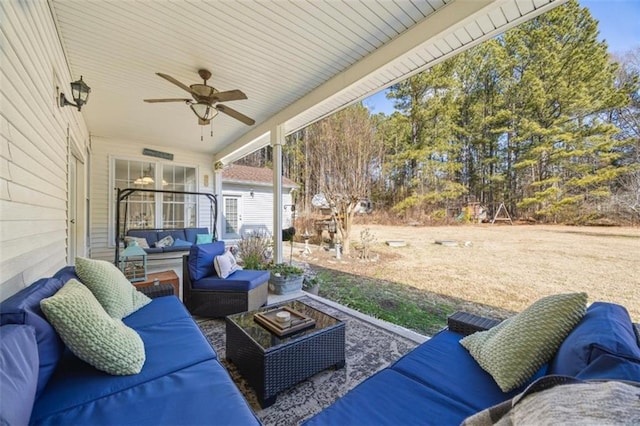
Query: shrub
[[253, 249], [284, 269]]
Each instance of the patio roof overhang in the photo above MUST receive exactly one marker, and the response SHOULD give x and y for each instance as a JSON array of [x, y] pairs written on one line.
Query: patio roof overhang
[[296, 61]]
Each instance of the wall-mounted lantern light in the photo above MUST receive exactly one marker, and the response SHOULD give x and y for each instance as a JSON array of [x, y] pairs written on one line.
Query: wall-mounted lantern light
[[80, 93], [251, 192]]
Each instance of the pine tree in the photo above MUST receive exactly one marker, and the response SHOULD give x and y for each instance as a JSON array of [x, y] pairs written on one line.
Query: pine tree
[[562, 82]]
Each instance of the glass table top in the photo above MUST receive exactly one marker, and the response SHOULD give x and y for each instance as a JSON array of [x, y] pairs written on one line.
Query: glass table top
[[267, 339]]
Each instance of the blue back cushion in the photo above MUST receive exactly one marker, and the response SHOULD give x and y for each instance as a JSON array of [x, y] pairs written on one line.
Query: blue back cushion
[[177, 234], [201, 259], [24, 308], [18, 373], [605, 328], [150, 235]]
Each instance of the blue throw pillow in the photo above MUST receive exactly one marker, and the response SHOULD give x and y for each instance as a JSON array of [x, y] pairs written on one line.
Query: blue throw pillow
[[605, 326], [18, 373], [201, 259], [182, 243], [24, 308], [204, 238]]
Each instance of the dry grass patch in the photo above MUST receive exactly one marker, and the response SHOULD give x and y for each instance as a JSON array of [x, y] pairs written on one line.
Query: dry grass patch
[[502, 268]]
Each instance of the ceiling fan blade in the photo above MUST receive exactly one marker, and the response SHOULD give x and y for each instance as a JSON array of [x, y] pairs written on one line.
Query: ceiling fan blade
[[231, 95], [235, 114], [168, 100], [174, 81]]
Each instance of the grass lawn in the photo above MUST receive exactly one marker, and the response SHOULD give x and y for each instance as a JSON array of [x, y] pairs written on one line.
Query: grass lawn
[[398, 304], [493, 271]]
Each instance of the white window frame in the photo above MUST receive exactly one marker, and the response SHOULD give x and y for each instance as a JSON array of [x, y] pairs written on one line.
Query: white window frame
[[158, 202]]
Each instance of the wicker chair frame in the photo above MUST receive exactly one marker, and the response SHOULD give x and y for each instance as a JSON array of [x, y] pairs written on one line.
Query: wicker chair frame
[[219, 303]]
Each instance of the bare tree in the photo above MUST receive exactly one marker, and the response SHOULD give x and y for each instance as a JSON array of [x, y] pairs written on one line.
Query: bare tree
[[342, 152], [627, 196]]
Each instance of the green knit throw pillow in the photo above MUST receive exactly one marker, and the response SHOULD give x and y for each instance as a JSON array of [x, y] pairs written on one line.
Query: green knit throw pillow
[[514, 350], [90, 333], [112, 289]]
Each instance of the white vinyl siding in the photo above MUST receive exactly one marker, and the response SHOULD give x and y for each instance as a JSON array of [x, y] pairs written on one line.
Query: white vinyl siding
[[257, 211], [34, 152]]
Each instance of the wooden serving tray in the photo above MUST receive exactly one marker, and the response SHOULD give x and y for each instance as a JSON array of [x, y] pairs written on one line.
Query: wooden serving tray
[[298, 321]]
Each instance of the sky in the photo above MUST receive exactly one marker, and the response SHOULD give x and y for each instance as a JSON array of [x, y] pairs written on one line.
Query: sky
[[619, 25]]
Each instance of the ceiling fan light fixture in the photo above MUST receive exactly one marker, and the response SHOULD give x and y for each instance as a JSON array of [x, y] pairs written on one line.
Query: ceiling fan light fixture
[[204, 111]]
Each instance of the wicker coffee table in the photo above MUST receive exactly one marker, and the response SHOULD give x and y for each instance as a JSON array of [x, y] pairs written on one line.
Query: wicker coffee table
[[272, 364]]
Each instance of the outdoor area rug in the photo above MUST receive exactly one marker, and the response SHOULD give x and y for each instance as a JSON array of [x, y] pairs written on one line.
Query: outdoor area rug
[[369, 349]]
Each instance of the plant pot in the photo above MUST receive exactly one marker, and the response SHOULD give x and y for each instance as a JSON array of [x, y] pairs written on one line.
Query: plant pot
[[285, 285], [314, 289]]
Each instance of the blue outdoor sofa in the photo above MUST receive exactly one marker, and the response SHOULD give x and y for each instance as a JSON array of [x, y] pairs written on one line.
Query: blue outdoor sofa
[[181, 383], [440, 383], [183, 238]]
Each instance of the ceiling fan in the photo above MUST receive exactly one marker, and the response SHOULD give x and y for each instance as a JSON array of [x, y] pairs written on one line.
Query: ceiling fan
[[205, 99]]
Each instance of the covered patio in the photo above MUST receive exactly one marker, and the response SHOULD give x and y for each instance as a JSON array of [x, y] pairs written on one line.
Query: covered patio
[[296, 62], [81, 345]]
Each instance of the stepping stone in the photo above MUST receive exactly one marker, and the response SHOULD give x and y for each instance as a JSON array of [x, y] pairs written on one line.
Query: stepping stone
[[447, 243]]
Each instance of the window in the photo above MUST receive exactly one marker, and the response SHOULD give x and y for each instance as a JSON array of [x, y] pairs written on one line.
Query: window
[[156, 210], [232, 216]]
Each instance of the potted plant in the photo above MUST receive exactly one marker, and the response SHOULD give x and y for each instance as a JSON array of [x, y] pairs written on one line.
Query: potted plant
[[312, 285], [285, 278]]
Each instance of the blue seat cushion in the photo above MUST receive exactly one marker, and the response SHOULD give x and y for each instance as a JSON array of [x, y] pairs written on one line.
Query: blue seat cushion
[[192, 233], [24, 308], [184, 245], [476, 388], [242, 280], [169, 347], [201, 256], [160, 310], [391, 398], [18, 373], [606, 327], [152, 250], [199, 394]]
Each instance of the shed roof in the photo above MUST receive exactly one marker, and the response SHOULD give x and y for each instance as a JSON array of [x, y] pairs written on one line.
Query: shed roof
[[236, 173]]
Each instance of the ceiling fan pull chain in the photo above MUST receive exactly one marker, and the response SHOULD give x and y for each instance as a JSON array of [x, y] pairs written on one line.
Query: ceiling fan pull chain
[[201, 134], [211, 128]]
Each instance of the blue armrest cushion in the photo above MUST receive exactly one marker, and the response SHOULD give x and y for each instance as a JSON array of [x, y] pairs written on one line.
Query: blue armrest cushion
[[18, 373], [605, 326], [23, 308], [612, 367]]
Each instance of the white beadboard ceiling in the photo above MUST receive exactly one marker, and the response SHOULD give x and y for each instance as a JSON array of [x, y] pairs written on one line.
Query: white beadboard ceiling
[[297, 61]]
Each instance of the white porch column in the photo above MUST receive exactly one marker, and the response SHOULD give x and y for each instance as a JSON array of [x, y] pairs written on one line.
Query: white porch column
[[277, 140], [217, 191]]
